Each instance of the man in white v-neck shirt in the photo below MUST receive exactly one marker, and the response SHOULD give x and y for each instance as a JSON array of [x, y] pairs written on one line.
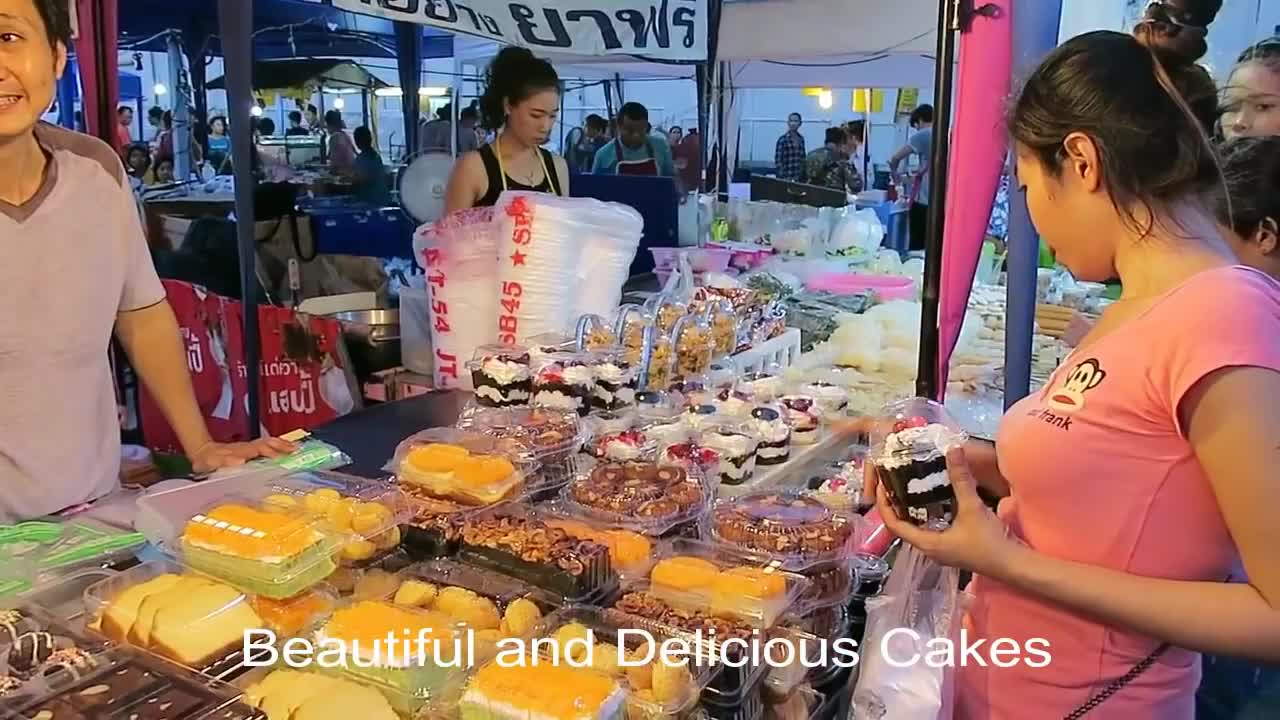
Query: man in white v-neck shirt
[[74, 265]]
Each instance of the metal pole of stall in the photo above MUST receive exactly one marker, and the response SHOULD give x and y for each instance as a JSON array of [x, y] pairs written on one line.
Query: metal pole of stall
[[235, 20], [181, 111], [949, 24], [722, 159], [1035, 32]]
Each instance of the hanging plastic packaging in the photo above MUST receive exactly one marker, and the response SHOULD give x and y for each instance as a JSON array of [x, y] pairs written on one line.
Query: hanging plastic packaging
[[923, 597]]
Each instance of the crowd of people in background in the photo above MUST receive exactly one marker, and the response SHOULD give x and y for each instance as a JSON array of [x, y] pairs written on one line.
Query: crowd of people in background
[[832, 166]]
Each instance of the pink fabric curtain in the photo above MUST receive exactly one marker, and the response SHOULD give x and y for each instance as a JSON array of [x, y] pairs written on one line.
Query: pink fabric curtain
[[978, 147], [96, 55]]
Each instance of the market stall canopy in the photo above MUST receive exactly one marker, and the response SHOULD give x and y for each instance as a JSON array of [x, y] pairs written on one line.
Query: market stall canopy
[[310, 74], [283, 29]]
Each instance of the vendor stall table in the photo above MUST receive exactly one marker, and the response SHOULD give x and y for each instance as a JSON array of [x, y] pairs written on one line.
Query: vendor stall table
[[370, 436]]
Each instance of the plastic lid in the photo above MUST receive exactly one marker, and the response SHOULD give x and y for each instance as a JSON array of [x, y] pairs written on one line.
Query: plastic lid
[[704, 578], [653, 404], [187, 617], [630, 553], [370, 512], [647, 607], [467, 466], [518, 354], [914, 429], [130, 684], [791, 527], [262, 547], [516, 541], [647, 497], [762, 385], [621, 446], [541, 430], [552, 686], [41, 652]]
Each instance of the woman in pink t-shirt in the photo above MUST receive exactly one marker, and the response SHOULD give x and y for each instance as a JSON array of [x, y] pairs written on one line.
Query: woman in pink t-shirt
[[1147, 471]]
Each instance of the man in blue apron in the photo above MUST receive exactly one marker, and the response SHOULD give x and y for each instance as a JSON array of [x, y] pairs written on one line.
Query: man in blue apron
[[636, 150]]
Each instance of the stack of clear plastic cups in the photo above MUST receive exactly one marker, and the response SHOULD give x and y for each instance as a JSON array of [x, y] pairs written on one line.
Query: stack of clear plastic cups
[[501, 376], [910, 455], [564, 381]]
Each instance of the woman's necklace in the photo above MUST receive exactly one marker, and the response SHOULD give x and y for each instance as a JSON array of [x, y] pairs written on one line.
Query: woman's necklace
[[524, 178]]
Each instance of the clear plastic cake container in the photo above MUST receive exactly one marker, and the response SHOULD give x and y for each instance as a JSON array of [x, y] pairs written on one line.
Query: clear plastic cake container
[[551, 437], [630, 552], [559, 665], [126, 683], [451, 463], [435, 527], [500, 375], [640, 499], [735, 670], [185, 617], [363, 514], [790, 527], [411, 675], [503, 540], [261, 546], [909, 451], [737, 584]]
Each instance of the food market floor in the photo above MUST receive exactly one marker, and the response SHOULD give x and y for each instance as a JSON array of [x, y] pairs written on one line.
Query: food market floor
[[1231, 689]]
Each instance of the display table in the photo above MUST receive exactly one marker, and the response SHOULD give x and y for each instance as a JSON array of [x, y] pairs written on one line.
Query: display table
[[370, 436]]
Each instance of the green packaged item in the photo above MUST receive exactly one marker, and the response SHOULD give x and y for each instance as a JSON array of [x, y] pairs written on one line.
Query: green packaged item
[[32, 553]]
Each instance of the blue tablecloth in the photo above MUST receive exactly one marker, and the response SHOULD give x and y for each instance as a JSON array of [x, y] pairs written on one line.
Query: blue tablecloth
[[355, 230]]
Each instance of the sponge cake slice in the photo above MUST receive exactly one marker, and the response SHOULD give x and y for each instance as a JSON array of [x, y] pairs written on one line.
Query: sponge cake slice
[[122, 612], [203, 625], [186, 587]]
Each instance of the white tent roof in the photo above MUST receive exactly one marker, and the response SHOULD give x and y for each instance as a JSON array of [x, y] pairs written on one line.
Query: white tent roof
[[782, 29]]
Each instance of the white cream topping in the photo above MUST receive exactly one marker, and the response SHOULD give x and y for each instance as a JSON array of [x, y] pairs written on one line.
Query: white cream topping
[[773, 430], [735, 406], [932, 481], [617, 450], [578, 375], [769, 453], [494, 394], [729, 445], [504, 372], [666, 433], [764, 388], [923, 439], [613, 374], [734, 472], [556, 399]]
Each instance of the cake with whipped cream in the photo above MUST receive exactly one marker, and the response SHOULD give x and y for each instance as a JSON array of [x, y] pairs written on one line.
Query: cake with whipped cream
[[500, 376], [774, 433], [697, 417], [620, 446], [759, 386], [564, 381], [665, 431], [803, 415], [912, 465], [831, 398], [615, 384], [736, 449], [730, 404]]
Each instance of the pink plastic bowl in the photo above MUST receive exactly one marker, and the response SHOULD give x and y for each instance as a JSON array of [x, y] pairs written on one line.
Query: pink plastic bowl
[[887, 287], [701, 259]]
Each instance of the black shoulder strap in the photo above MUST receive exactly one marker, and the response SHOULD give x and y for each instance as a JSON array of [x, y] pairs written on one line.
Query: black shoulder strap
[[553, 176], [491, 168]]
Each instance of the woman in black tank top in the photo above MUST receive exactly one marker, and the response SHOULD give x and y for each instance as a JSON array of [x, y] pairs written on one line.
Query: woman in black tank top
[[521, 101]]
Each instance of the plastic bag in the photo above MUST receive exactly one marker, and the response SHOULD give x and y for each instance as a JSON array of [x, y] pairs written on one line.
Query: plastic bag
[[856, 236], [458, 252], [925, 597]]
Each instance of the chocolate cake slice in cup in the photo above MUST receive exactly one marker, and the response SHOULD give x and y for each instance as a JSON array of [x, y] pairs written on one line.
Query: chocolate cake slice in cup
[[500, 375], [910, 456]]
